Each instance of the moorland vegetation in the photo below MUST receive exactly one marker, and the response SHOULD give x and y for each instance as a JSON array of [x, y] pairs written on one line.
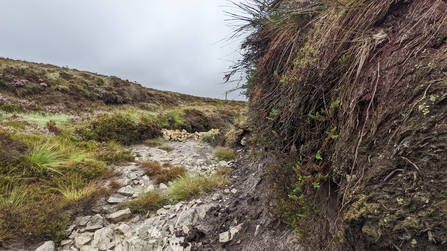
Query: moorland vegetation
[[62, 131]]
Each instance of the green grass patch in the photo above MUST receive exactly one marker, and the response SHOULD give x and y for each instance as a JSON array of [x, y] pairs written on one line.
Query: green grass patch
[[192, 185], [224, 153], [42, 161], [154, 142], [41, 119], [145, 203], [113, 153]]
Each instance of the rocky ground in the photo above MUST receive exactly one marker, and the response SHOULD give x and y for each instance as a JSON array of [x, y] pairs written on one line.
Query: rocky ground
[[232, 218]]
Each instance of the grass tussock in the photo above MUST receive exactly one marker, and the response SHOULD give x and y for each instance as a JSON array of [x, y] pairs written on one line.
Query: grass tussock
[[154, 142], [145, 203], [192, 185], [224, 153], [76, 188], [166, 148], [114, 184], [162, 173]]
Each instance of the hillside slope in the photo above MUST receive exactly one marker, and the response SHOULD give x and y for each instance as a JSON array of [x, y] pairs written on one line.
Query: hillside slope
[[49, 87]]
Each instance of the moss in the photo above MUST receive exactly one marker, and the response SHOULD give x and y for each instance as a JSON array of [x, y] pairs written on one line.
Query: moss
[[373, 232], [362, 209]]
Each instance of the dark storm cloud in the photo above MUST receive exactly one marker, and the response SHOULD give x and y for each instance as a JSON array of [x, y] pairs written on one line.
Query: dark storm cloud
[[172, 45]]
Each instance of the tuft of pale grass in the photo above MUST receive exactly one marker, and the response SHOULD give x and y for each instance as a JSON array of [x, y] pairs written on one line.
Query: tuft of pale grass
[[145, 203], [191, 185], [224, 153], [74, 189]]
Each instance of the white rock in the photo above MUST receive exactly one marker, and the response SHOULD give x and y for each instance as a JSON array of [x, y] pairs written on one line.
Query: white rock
[[120, 215], [47, 246], [88, 248], [124, 228], [162, 186], [116, 198], [95, 223], [82, 240], [187, 218], [103, 239], [126, 191], [150, 188], [82, 221], [224, 237], [174, 243], [223, 164]]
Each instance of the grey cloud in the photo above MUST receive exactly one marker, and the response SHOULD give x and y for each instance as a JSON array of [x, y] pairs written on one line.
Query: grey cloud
[[165, 44]]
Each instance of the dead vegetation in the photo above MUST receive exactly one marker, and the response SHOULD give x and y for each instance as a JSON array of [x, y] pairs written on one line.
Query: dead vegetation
[[349, 96]]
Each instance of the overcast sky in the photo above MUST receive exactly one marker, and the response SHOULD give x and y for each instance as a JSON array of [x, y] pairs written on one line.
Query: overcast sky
[[174, 45]]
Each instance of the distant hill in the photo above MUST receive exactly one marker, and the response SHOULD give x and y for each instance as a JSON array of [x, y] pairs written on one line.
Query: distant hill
[[36, 86]]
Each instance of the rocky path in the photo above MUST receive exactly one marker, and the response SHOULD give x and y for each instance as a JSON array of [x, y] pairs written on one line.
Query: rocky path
[[232, 218]]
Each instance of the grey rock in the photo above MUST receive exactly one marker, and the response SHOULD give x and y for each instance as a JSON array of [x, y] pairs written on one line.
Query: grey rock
[[187, 218], [88, 248], [216, 196], [223, 164], [175, 243], [47, 246], [116, 198], [126, 191], [244, 141], [95, 223], [229, 235], [162, 186], [162, 211], [66, 242], [82, 221], [82, 240], [120, 215], [136, 245], [133, 176], [124, 228], [104, 239], [224, 237], [150, 188]]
